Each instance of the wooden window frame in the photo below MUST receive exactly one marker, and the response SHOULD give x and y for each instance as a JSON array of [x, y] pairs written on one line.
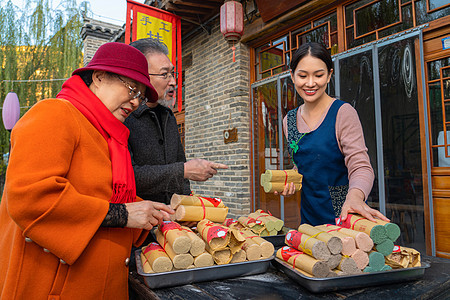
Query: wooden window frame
[[435, 9]]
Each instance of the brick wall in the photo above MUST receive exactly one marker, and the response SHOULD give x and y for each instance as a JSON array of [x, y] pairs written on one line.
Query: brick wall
[[215, 89], [90, 46], [95, 33]]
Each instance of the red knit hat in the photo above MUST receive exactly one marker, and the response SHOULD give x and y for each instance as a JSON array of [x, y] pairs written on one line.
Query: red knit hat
[[125, 60]]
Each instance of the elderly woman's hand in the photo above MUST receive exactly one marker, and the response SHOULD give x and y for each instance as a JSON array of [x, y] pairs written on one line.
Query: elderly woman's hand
[[289, 190], [147, 214], [354, 203]]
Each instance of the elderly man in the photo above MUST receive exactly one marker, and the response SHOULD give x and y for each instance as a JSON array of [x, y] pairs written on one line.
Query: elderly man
[[158, 157]]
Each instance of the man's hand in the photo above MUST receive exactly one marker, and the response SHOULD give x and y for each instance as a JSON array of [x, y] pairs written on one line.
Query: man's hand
[[355, 204], [147, 214], [201, 169]]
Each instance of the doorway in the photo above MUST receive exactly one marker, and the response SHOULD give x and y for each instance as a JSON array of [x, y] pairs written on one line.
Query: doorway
[[380, 80]]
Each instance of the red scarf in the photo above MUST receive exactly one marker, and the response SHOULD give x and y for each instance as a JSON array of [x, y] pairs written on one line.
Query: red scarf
[[115, 133]]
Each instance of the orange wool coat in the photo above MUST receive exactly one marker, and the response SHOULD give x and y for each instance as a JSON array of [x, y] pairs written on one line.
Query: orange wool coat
[[57, 191]]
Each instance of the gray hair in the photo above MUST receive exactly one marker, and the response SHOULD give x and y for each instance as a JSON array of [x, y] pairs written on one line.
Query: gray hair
[[150, 46]]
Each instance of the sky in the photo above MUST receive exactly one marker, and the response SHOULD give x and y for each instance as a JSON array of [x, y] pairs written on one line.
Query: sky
[[111, 11]]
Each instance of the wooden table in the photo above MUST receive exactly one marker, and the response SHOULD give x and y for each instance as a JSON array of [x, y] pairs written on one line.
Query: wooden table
[[275, 285]]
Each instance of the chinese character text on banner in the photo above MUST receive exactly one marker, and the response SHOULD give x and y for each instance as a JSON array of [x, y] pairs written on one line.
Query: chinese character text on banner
[[149, 22]]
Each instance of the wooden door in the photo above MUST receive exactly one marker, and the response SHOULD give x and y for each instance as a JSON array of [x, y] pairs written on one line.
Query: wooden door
[[437, 66], [268, 135]]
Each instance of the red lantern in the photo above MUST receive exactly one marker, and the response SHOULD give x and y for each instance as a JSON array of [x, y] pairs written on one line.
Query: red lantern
[[232, 22]]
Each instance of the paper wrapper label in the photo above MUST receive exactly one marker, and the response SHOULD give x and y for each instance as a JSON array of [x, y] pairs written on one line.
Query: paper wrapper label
[[294, 238], [169, 225], [229, 221], [153, 247], [214, 201], [253, 221], [287, 252], [216, 232]]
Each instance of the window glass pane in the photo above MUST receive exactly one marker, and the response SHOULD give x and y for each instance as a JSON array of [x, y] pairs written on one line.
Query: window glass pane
[[434, 96], [265, 75], [434, 68], [407, 22], [350, 8], [280, 69], [447, 94], [446, 72], [272, 57], [302, 29], [331, 18], [319, 34], [331, 89], [266, 139], [435, 104], [289, 101], [423, 17], [401, 141], [356, 87], [279, 41], [351, 42], [376, 16], [438, 3]]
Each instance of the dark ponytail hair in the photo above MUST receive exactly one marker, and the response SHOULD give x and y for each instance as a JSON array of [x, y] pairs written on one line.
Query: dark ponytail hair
[[315, 50]]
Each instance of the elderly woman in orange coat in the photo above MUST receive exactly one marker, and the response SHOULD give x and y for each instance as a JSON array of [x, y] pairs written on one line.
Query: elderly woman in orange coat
[[69, 213]]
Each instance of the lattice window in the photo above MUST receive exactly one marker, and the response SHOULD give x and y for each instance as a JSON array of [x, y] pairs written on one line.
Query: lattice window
[[361, 22], [435, 5], [439, 103]]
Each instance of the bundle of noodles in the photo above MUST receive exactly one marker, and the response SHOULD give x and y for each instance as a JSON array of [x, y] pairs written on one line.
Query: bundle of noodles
[[348, 242], [175, 236], [304, 262], [376, 263], [232, 223], [196, 208], [197, 244], [257, 226], [154, 259], [378, 231], [276, 180], [334, 243], [180, 261], [362, 240], [266, 247], [308, 245], [221, 242], [198, 251], [272, 224]]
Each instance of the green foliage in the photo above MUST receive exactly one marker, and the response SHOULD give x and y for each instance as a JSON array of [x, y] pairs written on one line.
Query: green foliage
[[36, 44]]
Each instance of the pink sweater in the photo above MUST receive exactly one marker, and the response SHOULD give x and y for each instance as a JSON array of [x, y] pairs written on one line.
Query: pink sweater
[[350, 138]]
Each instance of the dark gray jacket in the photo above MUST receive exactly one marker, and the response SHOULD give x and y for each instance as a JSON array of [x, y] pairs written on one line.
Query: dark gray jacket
[[157, 154]]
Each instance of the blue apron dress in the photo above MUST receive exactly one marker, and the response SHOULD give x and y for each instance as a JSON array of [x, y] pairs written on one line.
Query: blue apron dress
[[319, 159]]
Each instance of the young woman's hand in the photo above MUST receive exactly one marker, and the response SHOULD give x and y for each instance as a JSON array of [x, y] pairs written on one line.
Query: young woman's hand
[[289, 189], [354, 203]]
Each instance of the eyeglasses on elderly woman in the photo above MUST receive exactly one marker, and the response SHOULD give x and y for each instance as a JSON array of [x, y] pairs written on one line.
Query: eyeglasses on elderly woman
[[132, 91]]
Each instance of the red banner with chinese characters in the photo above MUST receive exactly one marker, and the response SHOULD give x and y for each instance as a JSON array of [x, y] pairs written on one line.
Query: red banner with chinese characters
[[144, 21]]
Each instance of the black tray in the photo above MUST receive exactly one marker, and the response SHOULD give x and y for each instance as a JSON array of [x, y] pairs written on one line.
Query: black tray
[[317, 285], [278, 240], [188, 276]]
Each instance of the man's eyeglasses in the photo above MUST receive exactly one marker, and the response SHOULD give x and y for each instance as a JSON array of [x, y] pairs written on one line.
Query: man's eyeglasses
[[132, 92], [167, 75]]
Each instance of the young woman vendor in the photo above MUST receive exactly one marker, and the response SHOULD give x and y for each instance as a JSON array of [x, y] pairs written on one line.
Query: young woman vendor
[[327, 145]]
